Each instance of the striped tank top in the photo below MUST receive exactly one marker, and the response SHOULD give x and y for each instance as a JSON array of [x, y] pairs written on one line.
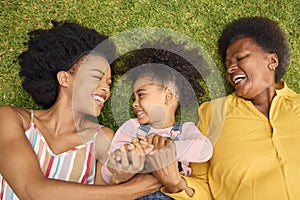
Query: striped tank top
[[75, 165]]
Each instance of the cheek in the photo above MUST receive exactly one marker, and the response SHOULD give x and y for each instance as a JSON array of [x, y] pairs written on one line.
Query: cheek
[[259, 74], [142, 104], [157, 113], [146, 104], [87, 84]]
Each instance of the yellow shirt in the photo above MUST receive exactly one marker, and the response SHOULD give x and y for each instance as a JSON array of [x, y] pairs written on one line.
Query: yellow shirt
[[254, 158]]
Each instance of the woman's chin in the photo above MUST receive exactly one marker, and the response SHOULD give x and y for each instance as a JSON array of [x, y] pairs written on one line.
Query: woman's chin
[[241, 93], [97, 110], [242, 90], [97, 113]]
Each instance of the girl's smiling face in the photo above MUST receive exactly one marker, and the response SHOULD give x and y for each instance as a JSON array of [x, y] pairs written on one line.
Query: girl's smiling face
[[92, 85], [149, 102], [250, 69]]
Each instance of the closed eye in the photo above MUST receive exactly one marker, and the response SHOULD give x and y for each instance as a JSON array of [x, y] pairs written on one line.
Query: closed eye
[[97, 77], [242, 57], [97, 74]]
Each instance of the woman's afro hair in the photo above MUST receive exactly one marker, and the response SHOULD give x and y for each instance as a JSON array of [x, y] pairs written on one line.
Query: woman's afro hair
[[57, 49], [266, 34], [162, 52]]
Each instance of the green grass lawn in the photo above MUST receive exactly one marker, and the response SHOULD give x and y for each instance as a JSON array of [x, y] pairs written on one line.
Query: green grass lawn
[[201, 20]]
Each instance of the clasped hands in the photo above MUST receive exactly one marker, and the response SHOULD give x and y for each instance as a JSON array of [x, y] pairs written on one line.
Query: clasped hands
[[143, 155], [154, 154]]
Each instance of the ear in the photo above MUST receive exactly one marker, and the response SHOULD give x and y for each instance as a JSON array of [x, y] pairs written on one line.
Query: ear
[[273, 61], [170, 95], [63, 78]]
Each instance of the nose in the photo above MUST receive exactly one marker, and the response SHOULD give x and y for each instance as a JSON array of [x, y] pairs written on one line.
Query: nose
[[135, 103], [231, 68], [104, 86]]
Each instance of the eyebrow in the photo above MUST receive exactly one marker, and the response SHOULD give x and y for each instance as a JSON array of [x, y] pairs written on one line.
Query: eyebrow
[[140, 89]]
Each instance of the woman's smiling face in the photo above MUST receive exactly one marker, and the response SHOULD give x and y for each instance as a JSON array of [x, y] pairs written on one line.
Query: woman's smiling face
[[92, 85], [249, 69]]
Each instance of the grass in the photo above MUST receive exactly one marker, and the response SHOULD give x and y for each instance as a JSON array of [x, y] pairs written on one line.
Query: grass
[[201, 20]]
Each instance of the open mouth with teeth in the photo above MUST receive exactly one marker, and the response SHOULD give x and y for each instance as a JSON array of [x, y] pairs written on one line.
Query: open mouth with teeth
[[139, 113], [99, 99], [238, 78]]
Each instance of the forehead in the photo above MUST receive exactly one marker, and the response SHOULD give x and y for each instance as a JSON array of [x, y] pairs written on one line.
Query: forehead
[[142, 81], [240, 44], [94, 63]]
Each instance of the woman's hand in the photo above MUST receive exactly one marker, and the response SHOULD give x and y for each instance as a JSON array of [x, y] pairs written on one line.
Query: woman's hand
[[163, 161], [165, 165], [125, 162], [142, 185]]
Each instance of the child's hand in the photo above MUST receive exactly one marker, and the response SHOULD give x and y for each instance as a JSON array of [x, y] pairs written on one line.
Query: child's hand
[[147, 147], [158, 141], [125, 162], [162, 155]]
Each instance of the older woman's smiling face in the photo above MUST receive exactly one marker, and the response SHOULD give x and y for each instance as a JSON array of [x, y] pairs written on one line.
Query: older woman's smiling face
[[249, 69]]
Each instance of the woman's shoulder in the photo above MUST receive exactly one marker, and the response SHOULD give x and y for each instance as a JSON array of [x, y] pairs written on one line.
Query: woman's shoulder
[[8, 113], [282, 89], [292, 99], [216, 103], [284, 92], [13, 122], [108, 132], [9, 108]]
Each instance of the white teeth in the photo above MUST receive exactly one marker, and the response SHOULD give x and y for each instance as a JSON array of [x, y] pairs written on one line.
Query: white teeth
[[238, 78], [98, 98], [140, 112]]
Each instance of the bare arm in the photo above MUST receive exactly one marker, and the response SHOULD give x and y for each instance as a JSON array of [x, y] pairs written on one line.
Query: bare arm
[[102, 143], [20, 168]]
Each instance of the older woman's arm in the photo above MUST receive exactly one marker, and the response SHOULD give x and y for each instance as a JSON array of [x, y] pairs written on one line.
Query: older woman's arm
[[198, 182], [176, 185]]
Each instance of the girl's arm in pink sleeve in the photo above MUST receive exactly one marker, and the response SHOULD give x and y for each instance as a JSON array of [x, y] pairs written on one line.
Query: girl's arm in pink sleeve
[[122, 136], [192, 145]]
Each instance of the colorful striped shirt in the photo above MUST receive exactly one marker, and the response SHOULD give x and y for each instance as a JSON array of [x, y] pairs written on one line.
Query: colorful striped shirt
[[75, 165]]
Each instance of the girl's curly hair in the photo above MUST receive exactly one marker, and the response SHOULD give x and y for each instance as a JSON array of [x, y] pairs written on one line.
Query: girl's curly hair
[[180, 66], [266, 34], [57, 49]]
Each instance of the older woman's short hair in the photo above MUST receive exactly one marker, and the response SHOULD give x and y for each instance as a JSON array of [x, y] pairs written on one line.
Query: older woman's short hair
[[266, 34]]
